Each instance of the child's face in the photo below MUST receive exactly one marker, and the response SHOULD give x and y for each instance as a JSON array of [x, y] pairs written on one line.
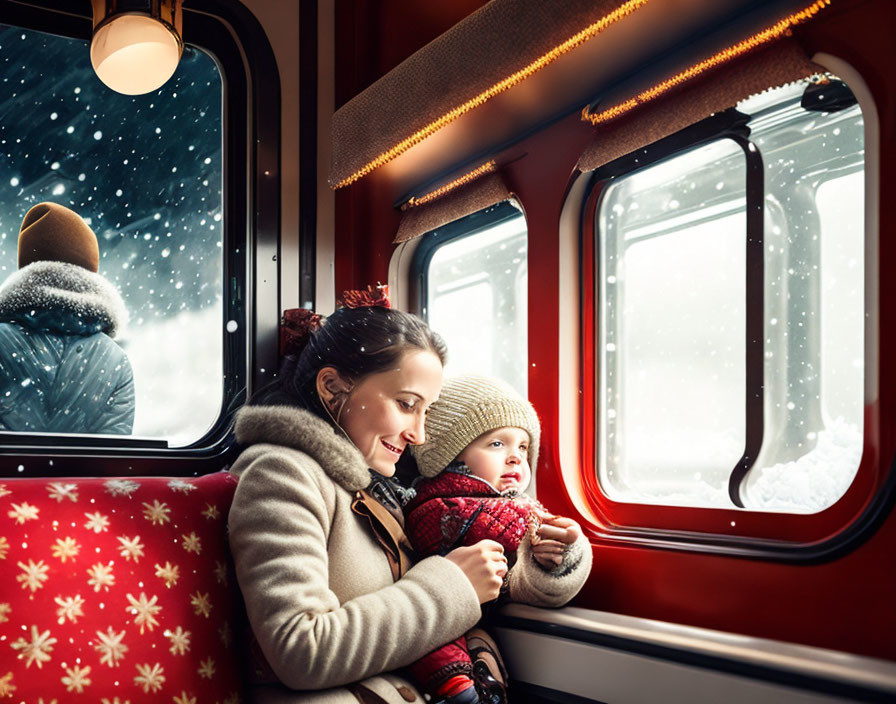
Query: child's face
[[500, 457]]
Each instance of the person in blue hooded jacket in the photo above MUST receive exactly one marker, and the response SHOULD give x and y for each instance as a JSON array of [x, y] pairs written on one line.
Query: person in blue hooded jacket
[[60, 369]]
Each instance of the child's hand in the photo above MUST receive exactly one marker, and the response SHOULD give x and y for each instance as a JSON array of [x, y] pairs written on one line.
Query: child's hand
[[559, 529], [547, 553]]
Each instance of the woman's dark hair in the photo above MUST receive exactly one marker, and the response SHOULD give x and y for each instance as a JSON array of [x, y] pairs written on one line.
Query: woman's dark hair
[[354, 341]]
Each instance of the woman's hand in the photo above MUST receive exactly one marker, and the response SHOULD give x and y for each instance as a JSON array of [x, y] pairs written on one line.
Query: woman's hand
[[484, 564]]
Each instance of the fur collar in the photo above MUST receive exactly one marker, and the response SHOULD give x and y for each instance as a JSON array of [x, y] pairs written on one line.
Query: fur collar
[[62, 297], [302, 430]]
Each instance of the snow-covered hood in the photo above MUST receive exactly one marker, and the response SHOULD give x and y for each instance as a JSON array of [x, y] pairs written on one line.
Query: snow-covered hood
[[62, 297]]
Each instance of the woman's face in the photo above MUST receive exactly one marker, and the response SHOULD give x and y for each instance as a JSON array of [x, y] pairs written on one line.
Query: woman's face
[[384, 412]]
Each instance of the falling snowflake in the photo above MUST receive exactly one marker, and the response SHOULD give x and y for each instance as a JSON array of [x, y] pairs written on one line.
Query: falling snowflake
[[144, 611], [211, 512], [192, 543], [170, 573], [65, 548], [6, 685], [37, 650], [201, 603], [4, 491], [23, 512], [157, 512], [4, 547], [121, 487], [131, 547], [220, 572], [207, 668], [150, 677], [61, 492], [181, 486], [110, 646], [33, 575], [97, 522], [5, 610], [101, 576], [69, 608], [180, 640], [76, 679]]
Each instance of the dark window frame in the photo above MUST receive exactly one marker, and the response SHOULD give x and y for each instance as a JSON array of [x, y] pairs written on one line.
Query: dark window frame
[[251, 244]]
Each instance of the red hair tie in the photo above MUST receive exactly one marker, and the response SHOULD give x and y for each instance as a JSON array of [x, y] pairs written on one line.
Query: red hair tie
[[296, 327], [374, 296]]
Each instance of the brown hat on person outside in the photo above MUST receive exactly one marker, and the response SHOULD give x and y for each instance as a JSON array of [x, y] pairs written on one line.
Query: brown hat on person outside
[[52, 232]]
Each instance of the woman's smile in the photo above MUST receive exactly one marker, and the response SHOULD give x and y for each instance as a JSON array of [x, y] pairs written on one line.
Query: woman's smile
[[392, 448]]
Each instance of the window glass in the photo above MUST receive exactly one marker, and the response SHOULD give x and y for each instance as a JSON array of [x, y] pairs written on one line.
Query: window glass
[[145, 173], [671, 246], [476, 285], [672, 336]]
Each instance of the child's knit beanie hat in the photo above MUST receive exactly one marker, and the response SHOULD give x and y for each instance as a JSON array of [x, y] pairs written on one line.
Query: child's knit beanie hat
[[469, 406], [52, 232]]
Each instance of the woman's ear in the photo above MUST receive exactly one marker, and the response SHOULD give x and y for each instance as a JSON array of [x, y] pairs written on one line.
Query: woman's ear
[[332, 388]]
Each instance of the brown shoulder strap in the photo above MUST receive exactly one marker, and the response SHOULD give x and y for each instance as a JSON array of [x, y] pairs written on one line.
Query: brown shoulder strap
[[388, 531]]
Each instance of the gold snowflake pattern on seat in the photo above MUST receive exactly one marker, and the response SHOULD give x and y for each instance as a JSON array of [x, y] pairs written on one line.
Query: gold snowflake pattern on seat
[[5, 611], [114, 700], [4, 547], [181, 486], [70, 608], [180, 640], [121, 487], [66, 548], [225, 634], [201, 604], [157, 512], [220, 572], [76, 678], [168, 572], [184, 698], [110, 647], [211, 512], [6, 685], [33, 575], [207, 668], [131, 548], [191, 543], [60, 492], [97, 522], [101, 576], [150, 677], [23, 512], [144, 611], [37, 650]]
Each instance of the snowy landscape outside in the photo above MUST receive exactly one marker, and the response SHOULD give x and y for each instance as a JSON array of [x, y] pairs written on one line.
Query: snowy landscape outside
[[145, 172]]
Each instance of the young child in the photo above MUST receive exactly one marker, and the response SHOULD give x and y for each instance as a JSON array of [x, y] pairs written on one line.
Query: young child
[[480, 451]]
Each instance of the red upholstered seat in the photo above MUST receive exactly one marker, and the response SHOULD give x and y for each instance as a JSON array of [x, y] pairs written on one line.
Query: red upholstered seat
[[117, 590]]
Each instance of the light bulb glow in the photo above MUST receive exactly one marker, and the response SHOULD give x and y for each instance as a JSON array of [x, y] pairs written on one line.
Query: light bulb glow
[[134, 54]]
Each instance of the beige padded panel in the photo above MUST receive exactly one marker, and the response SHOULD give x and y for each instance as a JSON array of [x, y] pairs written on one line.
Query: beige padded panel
[[691, 102], [464, 200]]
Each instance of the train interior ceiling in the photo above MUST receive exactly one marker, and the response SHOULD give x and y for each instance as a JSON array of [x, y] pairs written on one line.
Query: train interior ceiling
[[660, 220]]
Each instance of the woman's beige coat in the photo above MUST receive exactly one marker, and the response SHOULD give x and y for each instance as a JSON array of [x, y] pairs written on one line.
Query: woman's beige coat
[[318, 588]]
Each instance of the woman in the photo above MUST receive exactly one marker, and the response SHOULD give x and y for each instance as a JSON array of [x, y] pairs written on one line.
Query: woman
[[333, 603]]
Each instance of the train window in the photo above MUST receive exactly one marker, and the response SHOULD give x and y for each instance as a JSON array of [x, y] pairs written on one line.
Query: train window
[[687, 414], [474, 278], [145, 173]]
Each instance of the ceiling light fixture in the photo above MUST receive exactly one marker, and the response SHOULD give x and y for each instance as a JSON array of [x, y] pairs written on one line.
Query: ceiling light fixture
[[136, 44]]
